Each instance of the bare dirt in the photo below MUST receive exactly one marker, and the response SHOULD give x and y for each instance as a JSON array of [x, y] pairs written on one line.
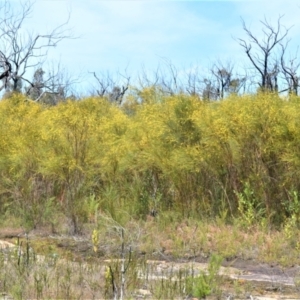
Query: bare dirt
[[255, 280]]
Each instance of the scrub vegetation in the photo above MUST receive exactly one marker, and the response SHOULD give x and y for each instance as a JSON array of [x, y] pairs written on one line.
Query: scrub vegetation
[[160, 176], [238, 158], [99, 193]]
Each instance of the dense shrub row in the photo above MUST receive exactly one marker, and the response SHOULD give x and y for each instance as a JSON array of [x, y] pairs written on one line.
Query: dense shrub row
[[168, 153]]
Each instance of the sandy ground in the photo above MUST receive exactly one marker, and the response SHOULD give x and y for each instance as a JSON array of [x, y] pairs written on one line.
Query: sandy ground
[[278, 283]]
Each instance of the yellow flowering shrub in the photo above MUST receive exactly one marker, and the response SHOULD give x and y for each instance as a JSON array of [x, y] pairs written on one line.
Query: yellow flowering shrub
[[167, 152]]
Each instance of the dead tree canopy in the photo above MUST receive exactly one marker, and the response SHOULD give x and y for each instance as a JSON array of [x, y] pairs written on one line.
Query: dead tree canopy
[[21, 50], [226, 81], [289, 69], [53, 86], [262, 53], [5, 76], [111, 88]]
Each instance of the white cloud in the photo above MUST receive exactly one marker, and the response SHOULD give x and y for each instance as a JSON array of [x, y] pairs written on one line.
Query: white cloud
[[253, 12], [115, 34], [131, 30]]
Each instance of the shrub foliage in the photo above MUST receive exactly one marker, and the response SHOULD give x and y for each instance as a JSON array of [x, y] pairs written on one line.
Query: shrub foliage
[[165, 153]]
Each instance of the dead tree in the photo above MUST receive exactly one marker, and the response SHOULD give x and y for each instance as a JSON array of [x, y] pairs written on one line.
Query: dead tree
[[169, 79], [55, 87], [290, 72], [210, 90], [193, 84], [146, 80], [237, 84], [222, 82], [223, 76], [264, 58], [21, 51], [5, 76], [165, 78], [113, 89]]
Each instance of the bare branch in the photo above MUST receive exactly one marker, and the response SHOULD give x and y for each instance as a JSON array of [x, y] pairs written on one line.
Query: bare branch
[[22, 51], [290, 72], [113, 89], [264, 60]]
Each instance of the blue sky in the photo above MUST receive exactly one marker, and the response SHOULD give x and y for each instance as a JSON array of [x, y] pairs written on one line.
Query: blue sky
[[119, 35]]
